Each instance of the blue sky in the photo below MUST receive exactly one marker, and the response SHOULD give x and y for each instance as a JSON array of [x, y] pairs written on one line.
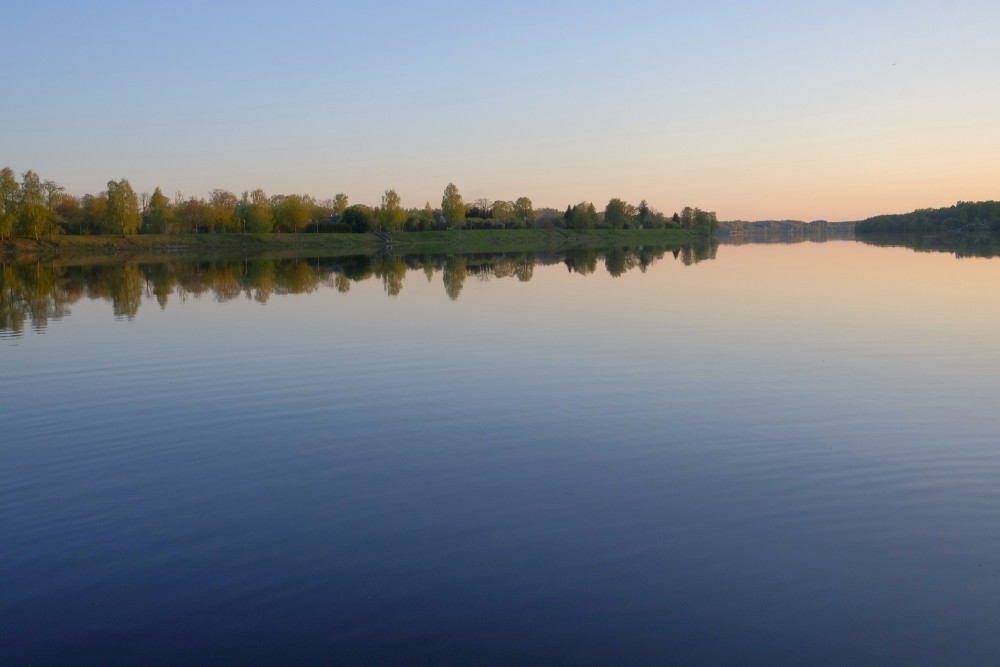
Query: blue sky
[[756, 110]]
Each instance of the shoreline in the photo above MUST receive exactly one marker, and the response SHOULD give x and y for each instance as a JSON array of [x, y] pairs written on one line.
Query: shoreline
[[173, 246]]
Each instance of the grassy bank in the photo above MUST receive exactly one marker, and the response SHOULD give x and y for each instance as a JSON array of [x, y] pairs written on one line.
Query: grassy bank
[[155, 246]]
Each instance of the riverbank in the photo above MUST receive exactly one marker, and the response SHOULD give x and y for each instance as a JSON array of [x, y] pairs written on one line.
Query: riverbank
[[143, 246]]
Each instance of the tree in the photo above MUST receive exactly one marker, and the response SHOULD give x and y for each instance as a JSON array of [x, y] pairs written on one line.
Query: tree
[[254, 213], [427, 215], [191, 214], [34, 215], [53, 194], [615, 214], [452, 206], [584, 216], [687, 217], [391, 214], [359, 217], [291, 212], [643, 213], [524, 213], [631, 211], [8, 202], [93, 214], [340, 204], [221, 210], [480, 208], [67, 211], [502, 211], [159, 212], [123, 208], [704, 222]]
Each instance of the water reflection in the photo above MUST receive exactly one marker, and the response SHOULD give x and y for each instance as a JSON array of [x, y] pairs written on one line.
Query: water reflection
[[960, 245], [37, 293]]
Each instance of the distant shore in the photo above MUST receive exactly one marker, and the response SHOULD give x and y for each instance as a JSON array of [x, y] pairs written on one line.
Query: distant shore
[[329, 245]]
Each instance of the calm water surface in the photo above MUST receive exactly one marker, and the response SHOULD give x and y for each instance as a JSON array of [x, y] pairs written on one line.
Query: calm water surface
[[782, 454]]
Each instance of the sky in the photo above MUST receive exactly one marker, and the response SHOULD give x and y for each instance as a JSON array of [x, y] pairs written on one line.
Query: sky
[[756, 110]]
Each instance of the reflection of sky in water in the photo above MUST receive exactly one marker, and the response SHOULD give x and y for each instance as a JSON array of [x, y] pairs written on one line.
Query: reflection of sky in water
[[786, 454]]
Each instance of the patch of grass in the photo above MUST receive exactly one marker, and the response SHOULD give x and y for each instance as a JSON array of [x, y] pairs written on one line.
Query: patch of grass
[[159, 246]]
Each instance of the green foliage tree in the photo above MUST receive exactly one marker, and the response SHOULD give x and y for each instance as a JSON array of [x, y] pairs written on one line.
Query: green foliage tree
[[34, 215], [687, 217], [615, 214], [503, 211], [67, 212], [584, 216], [160, 212], [222, 210], [53, 194], [292, 213], [8, 202], [704, 223], [254, 212], [359, 217], [391, 214], [191, 215], [123, 208], [642, 214], [524, 213], [480, 208], [340, 204], [427, 215], [92, 218], [452, 207]]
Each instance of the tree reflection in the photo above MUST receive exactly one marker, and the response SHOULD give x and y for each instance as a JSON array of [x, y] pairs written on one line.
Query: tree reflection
[[581, 260], [36, 293], [455, 270], [699, 250], [126, 285], [259, 282], [159, 284], [391, 270], [961, 245], [13, 308]]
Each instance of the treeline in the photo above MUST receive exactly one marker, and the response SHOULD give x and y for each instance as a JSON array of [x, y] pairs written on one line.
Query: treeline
[[785, 228], [619, 214], [737, 232], [36, 208], [966, 217], [39, 292]]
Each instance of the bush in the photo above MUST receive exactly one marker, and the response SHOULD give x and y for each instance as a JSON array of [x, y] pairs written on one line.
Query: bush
[[334, 227]]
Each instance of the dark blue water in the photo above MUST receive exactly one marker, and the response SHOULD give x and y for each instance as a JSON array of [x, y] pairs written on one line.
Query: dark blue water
[[786, 455]]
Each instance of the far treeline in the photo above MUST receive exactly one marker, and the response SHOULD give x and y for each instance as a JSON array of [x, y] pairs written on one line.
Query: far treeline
[[779, 228], [963, 217], [34, 208]]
